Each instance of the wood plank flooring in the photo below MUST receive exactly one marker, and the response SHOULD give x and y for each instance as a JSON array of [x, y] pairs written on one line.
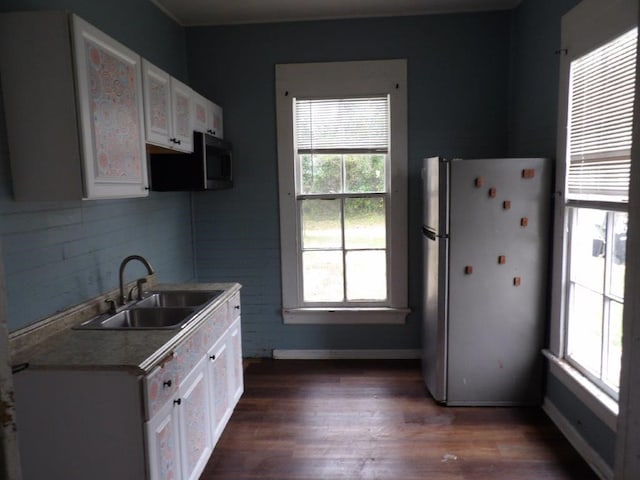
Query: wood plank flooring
[[352, 420]]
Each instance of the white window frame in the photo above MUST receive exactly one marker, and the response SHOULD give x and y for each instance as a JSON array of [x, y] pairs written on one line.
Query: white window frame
[[337, 80], [590, 24]]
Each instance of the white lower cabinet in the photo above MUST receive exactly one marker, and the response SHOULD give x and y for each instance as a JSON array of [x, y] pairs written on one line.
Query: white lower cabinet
[[194, 420], [182, 434], [162, 443], [179, 436], [113, 424], [218, 372], [236, 384]]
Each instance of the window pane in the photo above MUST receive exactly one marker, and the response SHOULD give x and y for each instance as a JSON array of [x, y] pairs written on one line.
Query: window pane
[[321, 224], [618, 253], [364, 222], [588, 247], [322, 273], [321, 173], [366, 275], [364, 173], [611, 374], [585, 328]]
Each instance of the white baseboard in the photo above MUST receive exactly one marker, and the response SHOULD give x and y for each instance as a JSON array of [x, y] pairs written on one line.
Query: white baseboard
[[284, 354], [595, 461]]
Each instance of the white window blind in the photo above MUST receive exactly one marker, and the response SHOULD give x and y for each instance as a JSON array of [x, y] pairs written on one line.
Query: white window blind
[[600, 121], [343, 124]]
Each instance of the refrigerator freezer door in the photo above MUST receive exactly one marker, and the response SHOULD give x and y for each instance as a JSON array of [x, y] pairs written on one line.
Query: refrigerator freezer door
[[434, 314], [498, 269], [435, 188]]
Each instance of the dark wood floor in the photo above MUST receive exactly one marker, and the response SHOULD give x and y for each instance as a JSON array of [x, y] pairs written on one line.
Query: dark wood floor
[[325, 420]]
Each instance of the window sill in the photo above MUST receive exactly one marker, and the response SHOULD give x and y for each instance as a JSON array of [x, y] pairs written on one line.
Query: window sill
[[346, 316], [595, 399]]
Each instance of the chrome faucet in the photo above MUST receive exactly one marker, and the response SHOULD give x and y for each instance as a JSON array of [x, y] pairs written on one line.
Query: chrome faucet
[[142, 260]]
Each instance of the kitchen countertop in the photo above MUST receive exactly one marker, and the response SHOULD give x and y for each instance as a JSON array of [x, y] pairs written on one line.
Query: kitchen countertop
[[135, 350]]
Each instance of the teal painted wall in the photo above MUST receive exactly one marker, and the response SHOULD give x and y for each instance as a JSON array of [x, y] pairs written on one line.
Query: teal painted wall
[[458, 100], [60, 254], [535, 68], [533, 112], [138, 24]]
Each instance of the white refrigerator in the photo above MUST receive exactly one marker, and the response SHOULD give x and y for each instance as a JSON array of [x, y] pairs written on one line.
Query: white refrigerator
[[485, 235]]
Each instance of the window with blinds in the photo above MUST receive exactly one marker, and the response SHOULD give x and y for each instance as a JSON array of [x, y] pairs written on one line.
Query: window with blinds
[[600, 121], [598, 164], [342, 147]]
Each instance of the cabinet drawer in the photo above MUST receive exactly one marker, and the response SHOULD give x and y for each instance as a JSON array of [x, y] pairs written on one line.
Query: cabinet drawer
[[160, 385], [189, 353], [215, 326]]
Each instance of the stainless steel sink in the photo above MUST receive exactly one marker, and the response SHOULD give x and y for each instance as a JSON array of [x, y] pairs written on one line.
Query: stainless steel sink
[[164, 309], [178, 298], [140, 319]]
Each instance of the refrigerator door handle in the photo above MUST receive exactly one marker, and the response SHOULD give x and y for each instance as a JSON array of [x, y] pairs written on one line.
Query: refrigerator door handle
[[431, 235]]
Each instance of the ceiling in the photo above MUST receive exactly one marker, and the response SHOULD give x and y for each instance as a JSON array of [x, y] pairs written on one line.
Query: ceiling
[[221, 12]]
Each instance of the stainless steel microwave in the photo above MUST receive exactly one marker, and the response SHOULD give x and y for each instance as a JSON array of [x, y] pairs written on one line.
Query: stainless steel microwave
[[209, 167]]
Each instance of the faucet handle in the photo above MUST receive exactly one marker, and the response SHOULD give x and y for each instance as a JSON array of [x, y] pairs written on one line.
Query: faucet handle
[[138, 287], [113, 308], [139, 283]]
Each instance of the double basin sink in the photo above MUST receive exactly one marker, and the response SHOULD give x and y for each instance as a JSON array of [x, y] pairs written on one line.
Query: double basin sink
[[169, 309]]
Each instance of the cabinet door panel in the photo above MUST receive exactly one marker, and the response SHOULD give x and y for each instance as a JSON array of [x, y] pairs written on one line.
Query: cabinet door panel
[[234, 306], [182, 112], [219, 385], [236, 384], [157, 104], [201, 113], [109, 85], [195, 423], [162, 441], [215, 123]]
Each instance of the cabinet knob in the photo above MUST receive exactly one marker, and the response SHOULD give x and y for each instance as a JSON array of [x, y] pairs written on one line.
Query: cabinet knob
[[167, 383], [177, 401], [212, 357], [237, 307]]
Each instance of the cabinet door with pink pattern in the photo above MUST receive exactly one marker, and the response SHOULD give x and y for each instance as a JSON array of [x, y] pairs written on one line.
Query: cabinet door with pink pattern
[[157, 104], [162, 444], [109, 90], [215, 122], [182, 112], [201, 113], [218, 372], [195, 423]]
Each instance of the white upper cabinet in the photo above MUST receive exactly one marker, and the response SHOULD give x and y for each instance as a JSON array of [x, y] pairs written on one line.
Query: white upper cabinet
[[200, 113], [182, 112], [73, 106], [168, 109], [109, 89], [157, 104], [207, 116]]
